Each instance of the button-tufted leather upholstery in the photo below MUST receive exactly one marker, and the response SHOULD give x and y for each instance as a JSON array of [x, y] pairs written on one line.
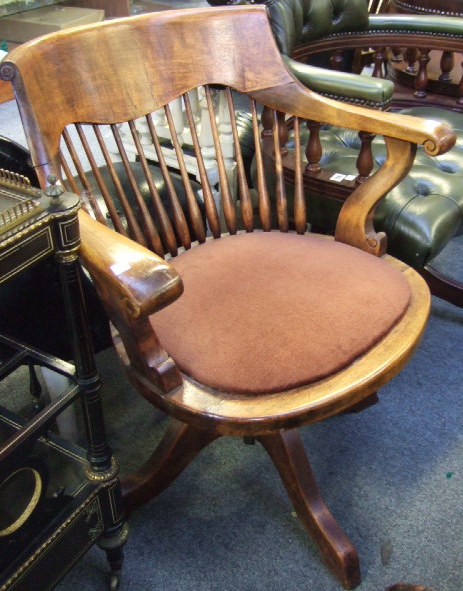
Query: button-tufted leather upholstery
[[297, 22], [300, 21], [423, 212]]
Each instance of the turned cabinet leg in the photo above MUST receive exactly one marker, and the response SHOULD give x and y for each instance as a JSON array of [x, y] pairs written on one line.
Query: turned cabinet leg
[[179, 446], [114, 548], [287, 452]]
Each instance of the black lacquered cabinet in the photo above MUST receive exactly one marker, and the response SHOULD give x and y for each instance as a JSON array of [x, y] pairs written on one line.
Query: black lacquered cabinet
[[56, 499]]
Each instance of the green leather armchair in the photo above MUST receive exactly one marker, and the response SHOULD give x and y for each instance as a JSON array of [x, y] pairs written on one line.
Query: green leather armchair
[[425, 211]]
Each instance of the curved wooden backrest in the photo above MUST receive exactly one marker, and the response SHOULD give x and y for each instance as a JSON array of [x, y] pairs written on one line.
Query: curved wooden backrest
[[119, 71], [124, 68]]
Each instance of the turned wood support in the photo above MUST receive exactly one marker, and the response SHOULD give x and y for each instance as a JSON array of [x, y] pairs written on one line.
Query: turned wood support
[[421, 79], [337, 60], [397, 54], [447, 64], [411, 56], [365, 157], [287, 452], [379, 60], [314, 148], [267, 121]]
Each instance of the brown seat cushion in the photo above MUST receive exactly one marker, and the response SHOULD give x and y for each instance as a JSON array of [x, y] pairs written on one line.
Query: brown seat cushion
[[265, 312]]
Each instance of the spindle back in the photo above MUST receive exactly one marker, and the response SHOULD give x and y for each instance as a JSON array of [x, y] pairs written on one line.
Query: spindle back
[[84, 95]]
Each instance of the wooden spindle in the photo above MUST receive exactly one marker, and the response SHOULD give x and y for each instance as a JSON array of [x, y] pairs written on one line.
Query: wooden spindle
[[99, 180], [267, 122], [337, 60], [379, 61], [280, 189], [114, 214], [225, 193], [132, 224], [411, 56], [209, 203], [421, 79], [224, 126], [243, 189], [165, 227], [365, 157], [68, 175], [87, 187], [447, 64], [397, 54], [300, 214], [283, 133], [150, 238], [193, 208], [262, 191], [178, 217], [314, 148]]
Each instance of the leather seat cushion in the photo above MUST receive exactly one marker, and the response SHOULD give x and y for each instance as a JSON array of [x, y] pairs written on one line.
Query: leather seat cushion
[[266, 312]]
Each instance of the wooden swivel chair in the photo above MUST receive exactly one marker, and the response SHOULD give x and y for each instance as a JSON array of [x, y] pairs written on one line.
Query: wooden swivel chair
[[274, 329]]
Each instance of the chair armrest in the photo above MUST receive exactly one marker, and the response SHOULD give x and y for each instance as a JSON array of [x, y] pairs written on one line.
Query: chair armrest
[[401, 132], [295, 98], [132, 281], [352, 88]]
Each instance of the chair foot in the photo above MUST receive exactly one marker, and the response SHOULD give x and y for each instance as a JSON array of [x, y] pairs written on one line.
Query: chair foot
[[179, 446], [287, 452]]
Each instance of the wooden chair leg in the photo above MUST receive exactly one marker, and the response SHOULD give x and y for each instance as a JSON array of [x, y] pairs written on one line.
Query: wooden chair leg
[[442, 286], [287, 452], [179, 446]]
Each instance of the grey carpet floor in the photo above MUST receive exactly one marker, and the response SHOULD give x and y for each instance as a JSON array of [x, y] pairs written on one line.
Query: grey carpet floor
[[392, 476]]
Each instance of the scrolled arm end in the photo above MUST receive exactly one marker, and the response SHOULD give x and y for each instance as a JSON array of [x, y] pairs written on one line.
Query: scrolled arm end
[[132, 281], [443, 138]]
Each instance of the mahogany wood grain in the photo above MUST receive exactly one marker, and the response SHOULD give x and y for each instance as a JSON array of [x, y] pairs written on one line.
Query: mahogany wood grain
[[226, 197], [243, 188], [262, 190], [300, 214], [280, 188]]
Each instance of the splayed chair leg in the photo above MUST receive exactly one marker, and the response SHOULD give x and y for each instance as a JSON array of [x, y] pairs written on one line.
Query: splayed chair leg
[[287, 452], [179, 446]]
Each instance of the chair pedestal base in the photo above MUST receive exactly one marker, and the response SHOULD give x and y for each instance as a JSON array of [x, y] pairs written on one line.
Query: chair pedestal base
[[182, 443], [287, 452]]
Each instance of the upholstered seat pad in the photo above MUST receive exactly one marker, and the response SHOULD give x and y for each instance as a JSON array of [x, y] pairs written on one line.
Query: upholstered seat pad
[[266, 312]]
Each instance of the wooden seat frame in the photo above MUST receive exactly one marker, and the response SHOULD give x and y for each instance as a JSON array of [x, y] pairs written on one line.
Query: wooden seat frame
[[119, 70]]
